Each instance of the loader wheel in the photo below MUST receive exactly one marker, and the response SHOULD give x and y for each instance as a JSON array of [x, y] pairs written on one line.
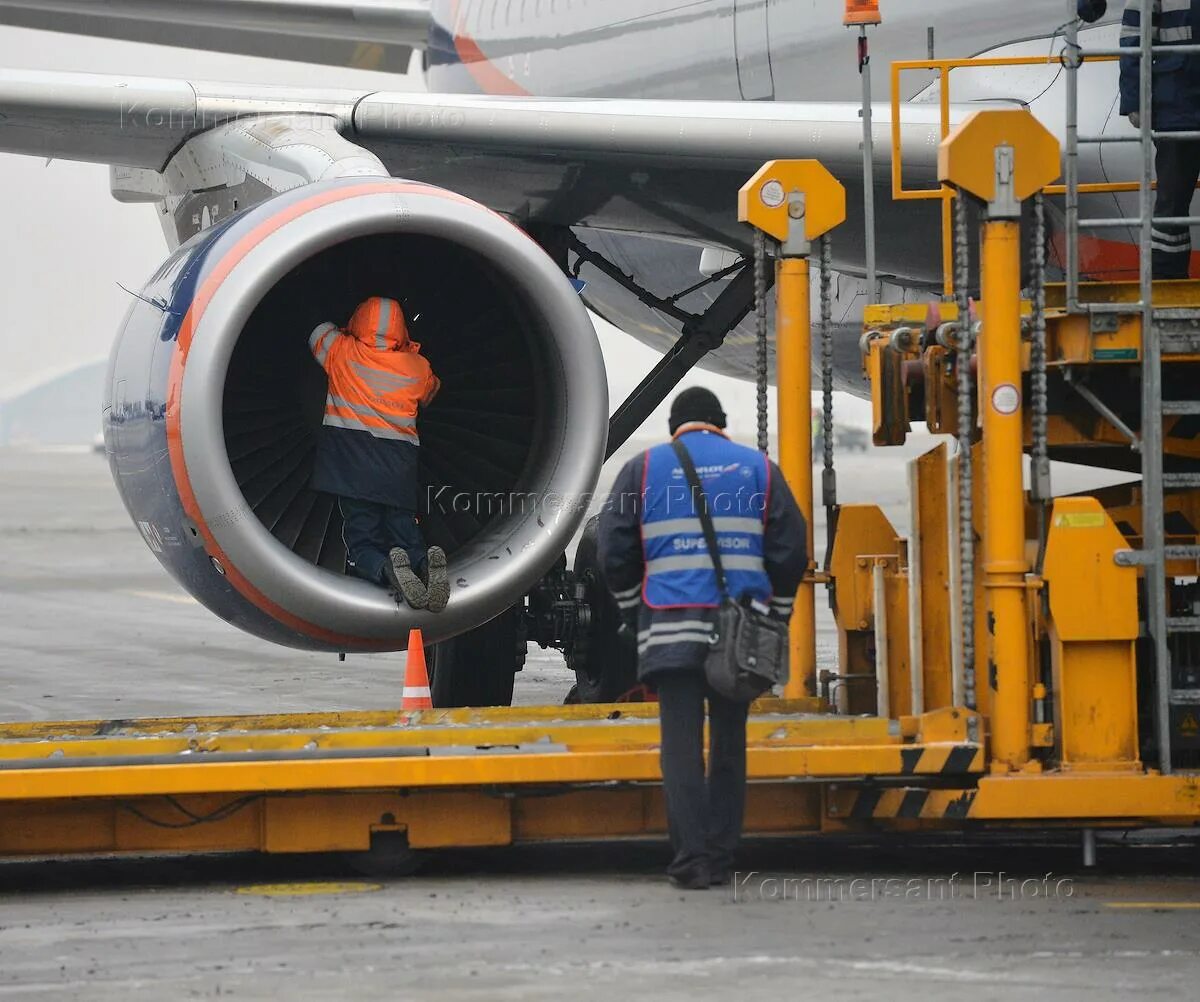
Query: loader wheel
[[389, 856], [605, 665], [477, 668]]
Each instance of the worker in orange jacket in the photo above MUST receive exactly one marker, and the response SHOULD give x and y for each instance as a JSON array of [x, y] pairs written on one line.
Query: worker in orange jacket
[[368, 447]]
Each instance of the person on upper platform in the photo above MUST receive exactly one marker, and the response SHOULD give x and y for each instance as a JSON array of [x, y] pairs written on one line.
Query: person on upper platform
[[1175, 107], [657, 565], [368, 449]]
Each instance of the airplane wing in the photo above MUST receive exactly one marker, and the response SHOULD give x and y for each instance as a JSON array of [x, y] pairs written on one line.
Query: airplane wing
[[364, 34], [662, 167]]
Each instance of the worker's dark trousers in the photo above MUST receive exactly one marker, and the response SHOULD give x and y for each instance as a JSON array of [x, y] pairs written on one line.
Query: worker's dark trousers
[[370, 530], [704, 818], [1177, 165]]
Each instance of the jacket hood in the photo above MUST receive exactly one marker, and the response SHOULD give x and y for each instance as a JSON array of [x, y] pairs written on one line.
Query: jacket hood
[[379, 323]]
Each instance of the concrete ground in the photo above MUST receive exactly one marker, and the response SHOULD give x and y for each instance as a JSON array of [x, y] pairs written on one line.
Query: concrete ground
[[91, 626], [934, 921]]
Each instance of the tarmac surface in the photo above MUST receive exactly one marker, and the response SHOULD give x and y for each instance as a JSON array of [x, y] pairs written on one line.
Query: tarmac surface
[[933, 921], [91, 626]]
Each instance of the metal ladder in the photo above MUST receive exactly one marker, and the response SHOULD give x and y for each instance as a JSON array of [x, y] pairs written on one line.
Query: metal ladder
[[1155, 323]]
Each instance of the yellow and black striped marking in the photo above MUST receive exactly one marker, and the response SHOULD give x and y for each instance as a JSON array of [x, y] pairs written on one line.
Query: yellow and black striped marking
[[870, 803], [941, 760]]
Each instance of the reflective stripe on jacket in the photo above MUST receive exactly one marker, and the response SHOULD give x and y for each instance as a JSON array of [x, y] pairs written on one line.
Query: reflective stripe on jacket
[[737, 483], [378, 381], [674, 638], [378, 377], [1175, 87]]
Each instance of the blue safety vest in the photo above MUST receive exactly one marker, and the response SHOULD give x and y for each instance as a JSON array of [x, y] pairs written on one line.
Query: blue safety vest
[[679, 572]]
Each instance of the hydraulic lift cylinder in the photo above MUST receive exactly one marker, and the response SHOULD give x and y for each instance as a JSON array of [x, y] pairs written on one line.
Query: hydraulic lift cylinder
[[1004, 564], [793, 359], [794, 202], [1001, 158]]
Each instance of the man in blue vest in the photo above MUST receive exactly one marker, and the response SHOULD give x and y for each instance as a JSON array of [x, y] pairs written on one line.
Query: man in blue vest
[[1175, 107], [657, 565]]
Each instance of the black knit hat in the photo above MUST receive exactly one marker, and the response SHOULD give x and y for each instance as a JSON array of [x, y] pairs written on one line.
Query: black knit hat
[[1091, 10], [696, 404]]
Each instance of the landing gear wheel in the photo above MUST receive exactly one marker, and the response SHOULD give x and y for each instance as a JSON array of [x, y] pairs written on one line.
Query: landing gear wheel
[[477, 668], [605, 663]]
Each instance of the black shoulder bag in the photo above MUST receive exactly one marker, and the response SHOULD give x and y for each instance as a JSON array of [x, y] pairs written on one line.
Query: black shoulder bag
[[748, 650]]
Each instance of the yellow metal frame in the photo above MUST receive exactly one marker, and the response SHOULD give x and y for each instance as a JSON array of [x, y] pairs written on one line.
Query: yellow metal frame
[[968, 159], [484, 782], [1092, 644], [795, 202], [945, 193], [320, 782]]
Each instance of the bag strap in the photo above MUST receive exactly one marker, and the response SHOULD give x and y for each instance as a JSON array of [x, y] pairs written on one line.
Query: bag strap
[[700, 501]]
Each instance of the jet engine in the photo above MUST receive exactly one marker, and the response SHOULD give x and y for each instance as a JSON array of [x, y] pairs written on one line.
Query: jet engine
[[214, 404]]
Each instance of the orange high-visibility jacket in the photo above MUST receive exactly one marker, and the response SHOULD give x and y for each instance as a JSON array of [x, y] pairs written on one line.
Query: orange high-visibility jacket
[[378, 377], [378, 380]]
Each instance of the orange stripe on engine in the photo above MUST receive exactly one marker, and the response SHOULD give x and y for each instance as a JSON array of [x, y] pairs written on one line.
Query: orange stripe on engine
[[187, 330]]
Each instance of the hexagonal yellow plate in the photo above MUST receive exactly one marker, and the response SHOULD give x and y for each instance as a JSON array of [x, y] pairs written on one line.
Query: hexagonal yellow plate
[[762, 201], [967, 157]]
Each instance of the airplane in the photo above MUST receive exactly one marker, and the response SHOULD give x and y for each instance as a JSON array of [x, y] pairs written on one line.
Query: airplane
[[602, 140]]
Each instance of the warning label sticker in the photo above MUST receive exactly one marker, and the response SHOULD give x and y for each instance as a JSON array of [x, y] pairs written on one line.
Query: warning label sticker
[[1080, 520]]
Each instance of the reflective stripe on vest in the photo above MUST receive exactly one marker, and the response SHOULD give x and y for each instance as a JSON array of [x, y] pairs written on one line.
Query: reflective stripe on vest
[[358, 424], [320, 341], [736, 481], [333, 404], [376, 392]]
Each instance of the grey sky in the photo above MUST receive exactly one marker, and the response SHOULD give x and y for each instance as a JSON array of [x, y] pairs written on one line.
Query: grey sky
[[68, 243]]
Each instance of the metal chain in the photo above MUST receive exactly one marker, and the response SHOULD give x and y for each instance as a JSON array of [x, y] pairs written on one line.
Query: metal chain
[[762, 373], [1039, 414], [828, 476], [966, 527]]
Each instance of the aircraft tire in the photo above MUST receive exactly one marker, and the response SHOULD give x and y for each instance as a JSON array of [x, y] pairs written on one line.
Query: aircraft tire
[[477, 668], [606, 667]]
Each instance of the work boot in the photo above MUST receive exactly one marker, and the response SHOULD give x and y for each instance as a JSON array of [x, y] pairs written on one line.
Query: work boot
[[439, 580], [400, 574], [691, 880]]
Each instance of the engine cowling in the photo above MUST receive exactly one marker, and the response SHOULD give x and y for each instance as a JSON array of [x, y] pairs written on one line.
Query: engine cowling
[[214, 404]]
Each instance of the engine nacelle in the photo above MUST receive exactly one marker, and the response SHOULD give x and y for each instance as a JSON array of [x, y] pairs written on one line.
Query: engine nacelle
[[214, 403]]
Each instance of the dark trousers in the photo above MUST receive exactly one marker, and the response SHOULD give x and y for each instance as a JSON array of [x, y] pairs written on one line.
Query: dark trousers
[[1177, 165], [370, 530], [704, 817]]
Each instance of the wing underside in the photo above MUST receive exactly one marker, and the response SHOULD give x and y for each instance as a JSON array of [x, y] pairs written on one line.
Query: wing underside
[[643, 185], [379, 35], [669, 168]]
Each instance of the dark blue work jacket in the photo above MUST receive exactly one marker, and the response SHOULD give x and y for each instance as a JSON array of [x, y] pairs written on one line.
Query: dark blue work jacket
[[1175, 87]]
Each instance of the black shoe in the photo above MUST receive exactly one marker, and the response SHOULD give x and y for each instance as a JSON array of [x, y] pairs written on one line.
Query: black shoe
[[399, 573], [694, 881], [718, 878], [439, 579]]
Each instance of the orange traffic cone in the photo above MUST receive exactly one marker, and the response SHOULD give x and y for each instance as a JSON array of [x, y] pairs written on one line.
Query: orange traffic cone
[[416, 677]]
